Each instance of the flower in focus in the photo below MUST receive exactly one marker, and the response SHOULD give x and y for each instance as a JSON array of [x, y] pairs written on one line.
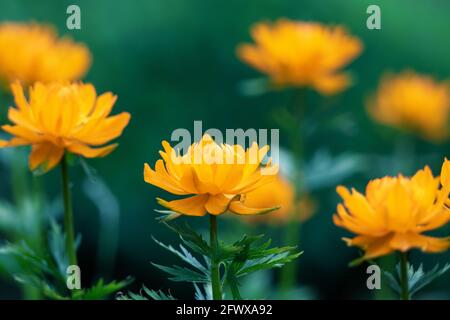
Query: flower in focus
[[301, 54], [216, 176], [281, 193], [413, 102], [396, 211], [33, 52], [61, 117]]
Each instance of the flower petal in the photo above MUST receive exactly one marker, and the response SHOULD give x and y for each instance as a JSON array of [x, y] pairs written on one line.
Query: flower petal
[[192, 206], [217, 204], [88, 152], [239, 208]]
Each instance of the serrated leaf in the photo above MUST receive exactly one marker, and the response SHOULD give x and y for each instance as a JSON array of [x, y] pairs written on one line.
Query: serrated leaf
[[145, 294], [190, 238], [203, 294], [417, 279], [184, 255], [101, 290], [422, 279], [180, 274], [167, 215]]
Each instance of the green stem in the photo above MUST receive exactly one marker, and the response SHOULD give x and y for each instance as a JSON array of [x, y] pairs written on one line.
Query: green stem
[[404, 275], [289, 272], [68, 214], [235, 290], [292, 230], [215, 274]]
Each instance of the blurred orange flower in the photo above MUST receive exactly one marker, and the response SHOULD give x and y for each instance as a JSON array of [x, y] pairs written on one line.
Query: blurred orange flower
[[61, 117], [413, 102], [395, 211], [279, 193], [32, 52], [298, 54], [217, 175]]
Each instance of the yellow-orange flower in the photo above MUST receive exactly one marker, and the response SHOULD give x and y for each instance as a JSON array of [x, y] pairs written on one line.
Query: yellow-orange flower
[[281, 193], [396, 211], [216, 175], [413, 102], [33, 52], [298, 54], [60, 117]]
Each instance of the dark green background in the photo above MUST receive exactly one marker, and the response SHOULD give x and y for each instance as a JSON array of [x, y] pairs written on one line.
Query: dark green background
[[172, 62]]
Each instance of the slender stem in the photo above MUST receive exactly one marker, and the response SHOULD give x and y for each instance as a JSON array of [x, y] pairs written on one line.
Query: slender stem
[[404, 275], [293, 227], [289, 272], [68, 214], [235, 290], [215, 274]]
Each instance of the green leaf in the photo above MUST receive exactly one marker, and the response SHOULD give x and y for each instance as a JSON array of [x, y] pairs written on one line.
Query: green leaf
[[420, 279], [203, 294], [417, 279], [180, 274], [145, 294], [184, 255], [101, 290], [190, 238], [167, 215]]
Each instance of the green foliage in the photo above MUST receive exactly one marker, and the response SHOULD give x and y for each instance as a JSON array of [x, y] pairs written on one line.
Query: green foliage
[[46, 270], [248, 255], [417, 279], [145, 294]]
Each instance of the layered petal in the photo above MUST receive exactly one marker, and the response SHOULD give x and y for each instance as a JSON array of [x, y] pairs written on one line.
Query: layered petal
[[62, 116], [395, 211]]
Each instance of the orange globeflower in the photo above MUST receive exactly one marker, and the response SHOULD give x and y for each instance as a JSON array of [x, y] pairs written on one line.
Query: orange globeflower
[[281, 193], [413, 102], [32, 52], [61, 117], [294, 53], [395, 211], [218, 177]]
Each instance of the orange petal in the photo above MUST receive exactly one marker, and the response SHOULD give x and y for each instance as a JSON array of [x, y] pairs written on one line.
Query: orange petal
[[406, 241], [19, 96], [159, 180], [217, 204], [378, 248], [239, 208], [88, 152], [14, 142], [331, 84], [445, 174], [192, 206], [45, 153]]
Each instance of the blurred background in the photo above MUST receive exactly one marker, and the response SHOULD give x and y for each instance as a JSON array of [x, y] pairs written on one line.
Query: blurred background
[[172, 62]]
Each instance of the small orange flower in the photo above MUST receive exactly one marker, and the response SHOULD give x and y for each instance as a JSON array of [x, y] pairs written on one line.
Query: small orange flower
[[395, 211], [279, 193], [33, 52], [218, 177], [61, 117], [413, 102], [302, 54]]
